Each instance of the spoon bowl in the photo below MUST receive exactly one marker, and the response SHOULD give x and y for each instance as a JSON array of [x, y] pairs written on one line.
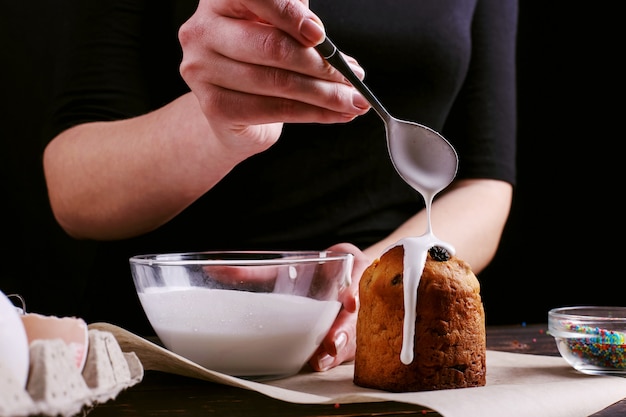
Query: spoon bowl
[[420, 155]]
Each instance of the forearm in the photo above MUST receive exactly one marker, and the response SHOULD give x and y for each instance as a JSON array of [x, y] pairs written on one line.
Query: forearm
[[110, 180], [470, 215], [113, 180]]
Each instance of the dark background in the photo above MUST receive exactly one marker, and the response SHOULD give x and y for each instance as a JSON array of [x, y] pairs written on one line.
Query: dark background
[[562, 244]]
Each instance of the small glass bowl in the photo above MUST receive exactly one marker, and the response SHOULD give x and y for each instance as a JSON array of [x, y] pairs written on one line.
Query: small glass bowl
[[591, 338]]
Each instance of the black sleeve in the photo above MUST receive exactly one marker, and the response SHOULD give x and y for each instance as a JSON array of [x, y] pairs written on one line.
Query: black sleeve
[[483, 116], [120, 50]]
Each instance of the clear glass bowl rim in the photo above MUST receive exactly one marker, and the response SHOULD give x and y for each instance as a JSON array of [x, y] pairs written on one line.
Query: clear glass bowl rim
[[589, 313], [241, 257], [588, 317]]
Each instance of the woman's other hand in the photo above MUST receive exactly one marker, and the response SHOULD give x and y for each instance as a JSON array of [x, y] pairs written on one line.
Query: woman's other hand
[[339, 345]]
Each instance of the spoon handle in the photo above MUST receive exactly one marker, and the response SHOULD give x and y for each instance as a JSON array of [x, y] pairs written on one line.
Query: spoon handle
[[330, 53]]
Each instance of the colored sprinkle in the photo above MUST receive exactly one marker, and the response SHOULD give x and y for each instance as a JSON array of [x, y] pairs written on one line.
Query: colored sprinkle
[[606, 349], [604, 336]]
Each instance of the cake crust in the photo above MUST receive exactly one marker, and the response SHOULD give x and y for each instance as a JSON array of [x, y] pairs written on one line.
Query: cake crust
[[450, 341]]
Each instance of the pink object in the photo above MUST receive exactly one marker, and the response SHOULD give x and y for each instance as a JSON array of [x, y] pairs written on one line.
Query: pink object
[[73, 331]]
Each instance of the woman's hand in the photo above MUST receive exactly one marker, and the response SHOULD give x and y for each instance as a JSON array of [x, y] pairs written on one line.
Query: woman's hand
[[339, 345], [251, 67]]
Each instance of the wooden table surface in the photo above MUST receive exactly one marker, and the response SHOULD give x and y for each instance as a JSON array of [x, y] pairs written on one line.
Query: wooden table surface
[[161, 394]]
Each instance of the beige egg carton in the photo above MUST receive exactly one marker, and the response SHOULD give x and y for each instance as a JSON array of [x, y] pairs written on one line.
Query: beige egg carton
[[56, 387]]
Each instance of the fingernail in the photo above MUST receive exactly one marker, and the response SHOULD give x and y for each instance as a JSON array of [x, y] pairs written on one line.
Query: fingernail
[[359, 101], [325, 362], [312, 31], [357, 70], [340, 342]]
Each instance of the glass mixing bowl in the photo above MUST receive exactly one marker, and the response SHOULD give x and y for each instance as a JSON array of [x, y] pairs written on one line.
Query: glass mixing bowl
[[257, 315]]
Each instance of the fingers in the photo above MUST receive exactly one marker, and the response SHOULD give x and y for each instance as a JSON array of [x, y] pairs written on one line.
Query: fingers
[[275, 94], [266, 46], [245, 72], [339, 345], [239, 275], [291, 16], [349, 298]]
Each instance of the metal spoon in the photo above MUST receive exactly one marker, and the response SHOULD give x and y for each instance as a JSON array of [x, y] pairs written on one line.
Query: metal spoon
[[422, 157]]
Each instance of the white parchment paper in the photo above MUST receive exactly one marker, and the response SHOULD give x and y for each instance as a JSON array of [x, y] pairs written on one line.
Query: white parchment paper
[[517, 385]]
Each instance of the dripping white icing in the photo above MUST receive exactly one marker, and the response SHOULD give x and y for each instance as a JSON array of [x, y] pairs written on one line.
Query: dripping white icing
[[415, 253]]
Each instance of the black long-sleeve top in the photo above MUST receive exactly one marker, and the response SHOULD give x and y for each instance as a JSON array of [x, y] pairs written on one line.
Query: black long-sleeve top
[[447, 64]]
